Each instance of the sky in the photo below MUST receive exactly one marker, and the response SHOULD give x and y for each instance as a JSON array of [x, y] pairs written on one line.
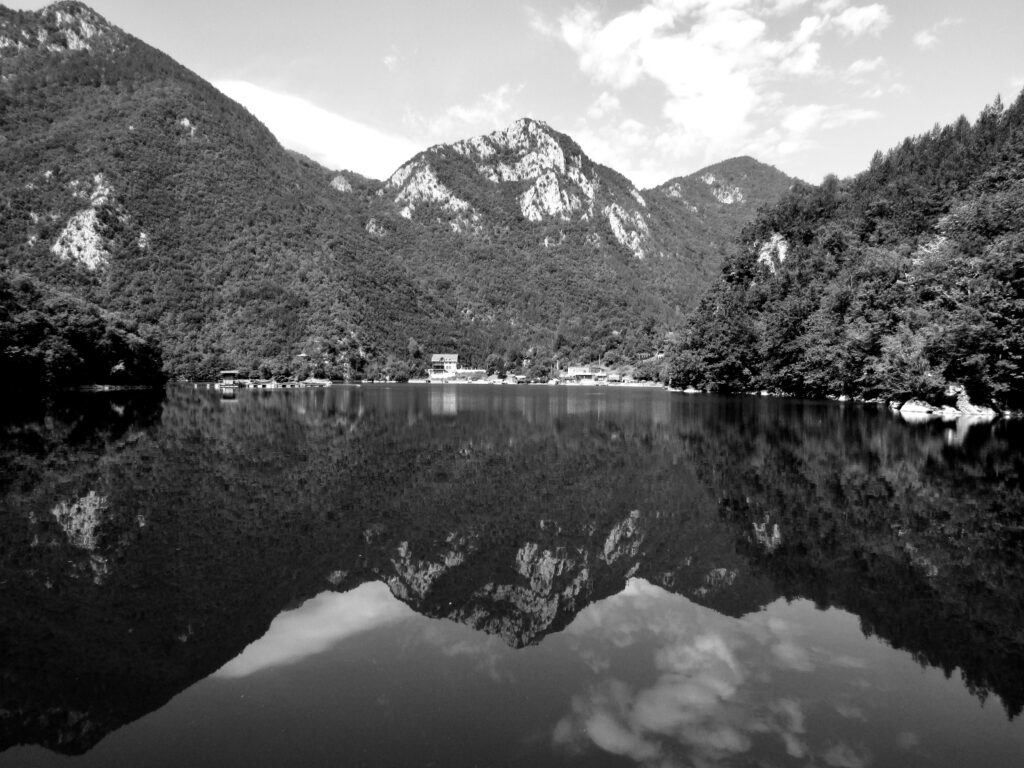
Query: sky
[[653, 88]]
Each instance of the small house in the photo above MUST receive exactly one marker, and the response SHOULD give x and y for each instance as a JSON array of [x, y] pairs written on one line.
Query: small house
[[443, 364], [583, 374]]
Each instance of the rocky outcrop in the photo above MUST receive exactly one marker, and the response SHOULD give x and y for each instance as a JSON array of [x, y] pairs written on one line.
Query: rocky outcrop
[[773, 251], [917, 410], [60, 27], [545, 172], [84, 239]]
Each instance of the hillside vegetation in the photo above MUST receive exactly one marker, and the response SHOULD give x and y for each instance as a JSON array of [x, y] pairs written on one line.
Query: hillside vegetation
[[904, 281], [50, 339], [133, 184]]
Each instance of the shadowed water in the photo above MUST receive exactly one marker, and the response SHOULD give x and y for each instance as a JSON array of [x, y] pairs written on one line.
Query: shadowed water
[[416, 575]]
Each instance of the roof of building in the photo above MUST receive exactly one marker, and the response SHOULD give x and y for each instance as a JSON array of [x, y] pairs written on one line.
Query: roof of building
[[443, 358]]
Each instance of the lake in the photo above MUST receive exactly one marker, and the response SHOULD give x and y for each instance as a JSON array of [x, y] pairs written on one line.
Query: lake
[[445, 575]]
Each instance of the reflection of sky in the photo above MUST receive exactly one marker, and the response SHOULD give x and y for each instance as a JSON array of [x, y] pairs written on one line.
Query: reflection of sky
[[316, 625], [645, 677], [651, 677], [720, 691]]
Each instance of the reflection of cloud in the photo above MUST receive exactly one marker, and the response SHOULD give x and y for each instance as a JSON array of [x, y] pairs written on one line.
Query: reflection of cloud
[[909, 740], [713, 695], [791, 655], [691, 702], [845, 756], [487, 651], [315, 626], [849, 711], [850, 662]]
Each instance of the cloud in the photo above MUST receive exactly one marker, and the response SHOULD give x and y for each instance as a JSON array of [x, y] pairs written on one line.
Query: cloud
[[315, 626], [928, 38], [864, 19], [730, 71], [878, 91], [864, 66], [489, 112], [785, 6], [329, 138], [602, 105], [391, 61], [801, 124]]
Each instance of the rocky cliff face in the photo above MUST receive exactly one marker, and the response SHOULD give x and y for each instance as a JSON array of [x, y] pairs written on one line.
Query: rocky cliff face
[[526, 171], [60, 27]]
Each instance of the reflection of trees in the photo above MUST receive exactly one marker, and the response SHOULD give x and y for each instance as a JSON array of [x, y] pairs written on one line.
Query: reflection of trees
[[206, 518], [511, 518], [922, 540]]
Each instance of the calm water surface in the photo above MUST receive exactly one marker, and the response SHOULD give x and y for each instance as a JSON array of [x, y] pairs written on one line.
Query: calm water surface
[[506, 576]]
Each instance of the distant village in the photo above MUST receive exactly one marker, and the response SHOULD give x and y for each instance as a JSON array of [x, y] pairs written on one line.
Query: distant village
[[444, 368]]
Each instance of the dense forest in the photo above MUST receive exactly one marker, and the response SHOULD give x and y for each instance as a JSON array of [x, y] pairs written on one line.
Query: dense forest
[[137, 188], [135, 185], [50, 339], [906, 280]]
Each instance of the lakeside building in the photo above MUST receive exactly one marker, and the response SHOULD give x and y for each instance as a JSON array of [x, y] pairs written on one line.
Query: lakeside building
[[586, 374], [445, 367], [442, 364]]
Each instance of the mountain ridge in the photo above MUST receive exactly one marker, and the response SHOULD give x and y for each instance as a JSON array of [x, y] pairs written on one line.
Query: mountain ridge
[[140, 188]]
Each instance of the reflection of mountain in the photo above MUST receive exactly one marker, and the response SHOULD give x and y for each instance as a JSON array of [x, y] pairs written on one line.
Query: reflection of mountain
[[142, 546], [919, 535]]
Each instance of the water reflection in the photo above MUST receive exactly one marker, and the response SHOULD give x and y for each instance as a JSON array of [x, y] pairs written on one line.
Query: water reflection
[[165, 536], [315, 626]]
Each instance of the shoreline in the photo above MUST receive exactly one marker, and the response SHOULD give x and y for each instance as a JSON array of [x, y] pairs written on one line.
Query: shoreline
[[912, 410]]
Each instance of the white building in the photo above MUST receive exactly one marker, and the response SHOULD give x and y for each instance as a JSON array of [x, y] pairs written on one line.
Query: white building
[[442, 364]]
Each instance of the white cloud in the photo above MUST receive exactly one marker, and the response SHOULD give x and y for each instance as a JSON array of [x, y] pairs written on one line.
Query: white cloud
[[329, 138], [729, 77], [491, 111], [803, 119], [800, 126], [926, 39], [316, 625], [877, 91], [864, 19], [602, 105], [539, 23], [929, 38], [391, 61], [785, 6], [864, 66]]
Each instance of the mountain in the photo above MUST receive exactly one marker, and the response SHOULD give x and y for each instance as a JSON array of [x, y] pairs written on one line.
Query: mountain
[[906, 281], [527, 172], [719, 200], [140, 189]]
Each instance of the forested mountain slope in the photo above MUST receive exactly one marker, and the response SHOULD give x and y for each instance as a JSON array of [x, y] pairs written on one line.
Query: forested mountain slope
[[904, 281], [137, 185], [139, 188]]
